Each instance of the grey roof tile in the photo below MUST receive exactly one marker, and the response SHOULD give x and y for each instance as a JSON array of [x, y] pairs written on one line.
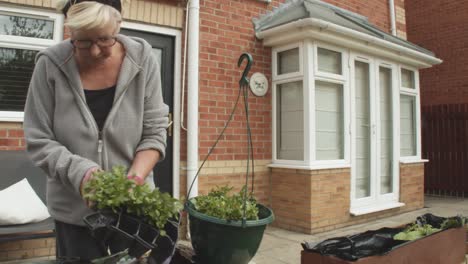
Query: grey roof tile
[[294, 10]]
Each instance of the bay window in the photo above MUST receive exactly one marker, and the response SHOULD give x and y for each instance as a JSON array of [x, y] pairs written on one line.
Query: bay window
[[334, 108]]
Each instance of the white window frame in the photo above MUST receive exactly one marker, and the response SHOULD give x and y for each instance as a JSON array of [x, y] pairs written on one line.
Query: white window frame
[[306, 153], [336, 79], [394, 196], [300, 73], [328, 75], [416, 94], [19, 42], [376, 201], [308, 74], [288, 78]]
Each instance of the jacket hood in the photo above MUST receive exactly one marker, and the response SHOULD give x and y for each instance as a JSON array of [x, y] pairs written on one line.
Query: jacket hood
[[136, 50]]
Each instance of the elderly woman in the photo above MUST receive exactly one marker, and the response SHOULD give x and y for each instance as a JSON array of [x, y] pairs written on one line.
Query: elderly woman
[[94, 101]]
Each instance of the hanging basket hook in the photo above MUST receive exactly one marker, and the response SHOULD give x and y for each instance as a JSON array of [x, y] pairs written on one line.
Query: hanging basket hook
[[244, 81]]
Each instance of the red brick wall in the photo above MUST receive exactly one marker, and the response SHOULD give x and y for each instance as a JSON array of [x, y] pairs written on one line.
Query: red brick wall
[[442, 27], [11, 136], [227, 31]]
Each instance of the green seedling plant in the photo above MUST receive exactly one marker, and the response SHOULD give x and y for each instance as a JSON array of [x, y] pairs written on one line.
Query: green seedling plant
[[220, 203], [415, 231], [112, 190], [454, 222]]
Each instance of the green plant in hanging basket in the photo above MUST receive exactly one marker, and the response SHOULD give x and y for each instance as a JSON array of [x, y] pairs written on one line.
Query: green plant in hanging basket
[[220, 203], [112, 190]]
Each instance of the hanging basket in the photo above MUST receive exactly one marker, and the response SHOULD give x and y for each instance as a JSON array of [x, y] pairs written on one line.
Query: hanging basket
[[229, 242], [220, 241]]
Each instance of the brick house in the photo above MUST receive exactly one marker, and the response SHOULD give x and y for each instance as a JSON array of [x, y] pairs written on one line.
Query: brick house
[[337, 135], [442, 27]]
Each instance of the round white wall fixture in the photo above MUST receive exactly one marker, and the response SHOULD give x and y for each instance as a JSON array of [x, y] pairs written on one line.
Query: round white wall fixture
[[258, 84]]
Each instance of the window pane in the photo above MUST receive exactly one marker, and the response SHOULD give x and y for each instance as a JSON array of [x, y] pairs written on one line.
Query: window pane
[[329, 121], [290, 121], [26, 27], [407, 125], [363, 130], [329, 61], [16, 67], [407, 78], [386, 128], [288, 61]]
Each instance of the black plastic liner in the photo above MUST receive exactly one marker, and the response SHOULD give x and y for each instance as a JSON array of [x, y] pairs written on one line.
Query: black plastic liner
[[371, 243], [123, 231]]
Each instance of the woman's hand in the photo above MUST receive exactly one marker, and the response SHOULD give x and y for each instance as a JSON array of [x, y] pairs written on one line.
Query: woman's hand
[[137, 179], [88, 176], [142, 165]]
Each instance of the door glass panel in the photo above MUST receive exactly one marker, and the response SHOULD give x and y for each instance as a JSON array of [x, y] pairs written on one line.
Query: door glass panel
[[329, 61], [363, 130], [290, 121], [26, 27], [386, 128], [407, 125], [16, 67], [288, 61], [329, 121], [158, 53]]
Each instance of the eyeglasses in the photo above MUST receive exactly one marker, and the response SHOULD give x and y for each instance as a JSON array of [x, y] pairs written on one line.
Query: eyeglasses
[[101, 42]]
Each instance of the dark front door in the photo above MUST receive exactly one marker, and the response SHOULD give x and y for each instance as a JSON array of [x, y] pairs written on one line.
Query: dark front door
[[163, 48]]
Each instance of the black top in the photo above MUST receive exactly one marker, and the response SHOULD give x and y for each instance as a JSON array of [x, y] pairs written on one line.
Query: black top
[[100, 103]]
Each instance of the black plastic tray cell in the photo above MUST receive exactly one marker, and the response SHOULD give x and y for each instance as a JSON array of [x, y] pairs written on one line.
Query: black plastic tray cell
[[119, 240], [123, 231], [140, 247], [128, 224], [98, 222], [166, 245], [148, 233]]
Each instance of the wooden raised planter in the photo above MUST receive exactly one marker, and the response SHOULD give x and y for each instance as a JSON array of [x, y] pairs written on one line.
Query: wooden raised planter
[[466, 242], [444, 247]]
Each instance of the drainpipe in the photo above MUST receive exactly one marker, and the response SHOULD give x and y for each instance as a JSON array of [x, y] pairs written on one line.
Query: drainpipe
[[192, 95], [391, 4]]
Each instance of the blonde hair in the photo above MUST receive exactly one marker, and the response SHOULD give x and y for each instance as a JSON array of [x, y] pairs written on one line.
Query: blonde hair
[[89, 15]]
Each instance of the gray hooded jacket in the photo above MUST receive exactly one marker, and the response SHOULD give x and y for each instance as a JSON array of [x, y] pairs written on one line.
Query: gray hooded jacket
[[62, 136]]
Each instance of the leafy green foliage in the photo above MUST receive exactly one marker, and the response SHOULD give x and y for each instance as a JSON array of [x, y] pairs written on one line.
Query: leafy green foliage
[[112, 190], [415, 231], [219, 203], [454, 222]]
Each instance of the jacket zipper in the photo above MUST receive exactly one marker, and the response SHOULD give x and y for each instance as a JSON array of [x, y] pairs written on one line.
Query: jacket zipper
[[96, 128], [100, 140], [100, 145]]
